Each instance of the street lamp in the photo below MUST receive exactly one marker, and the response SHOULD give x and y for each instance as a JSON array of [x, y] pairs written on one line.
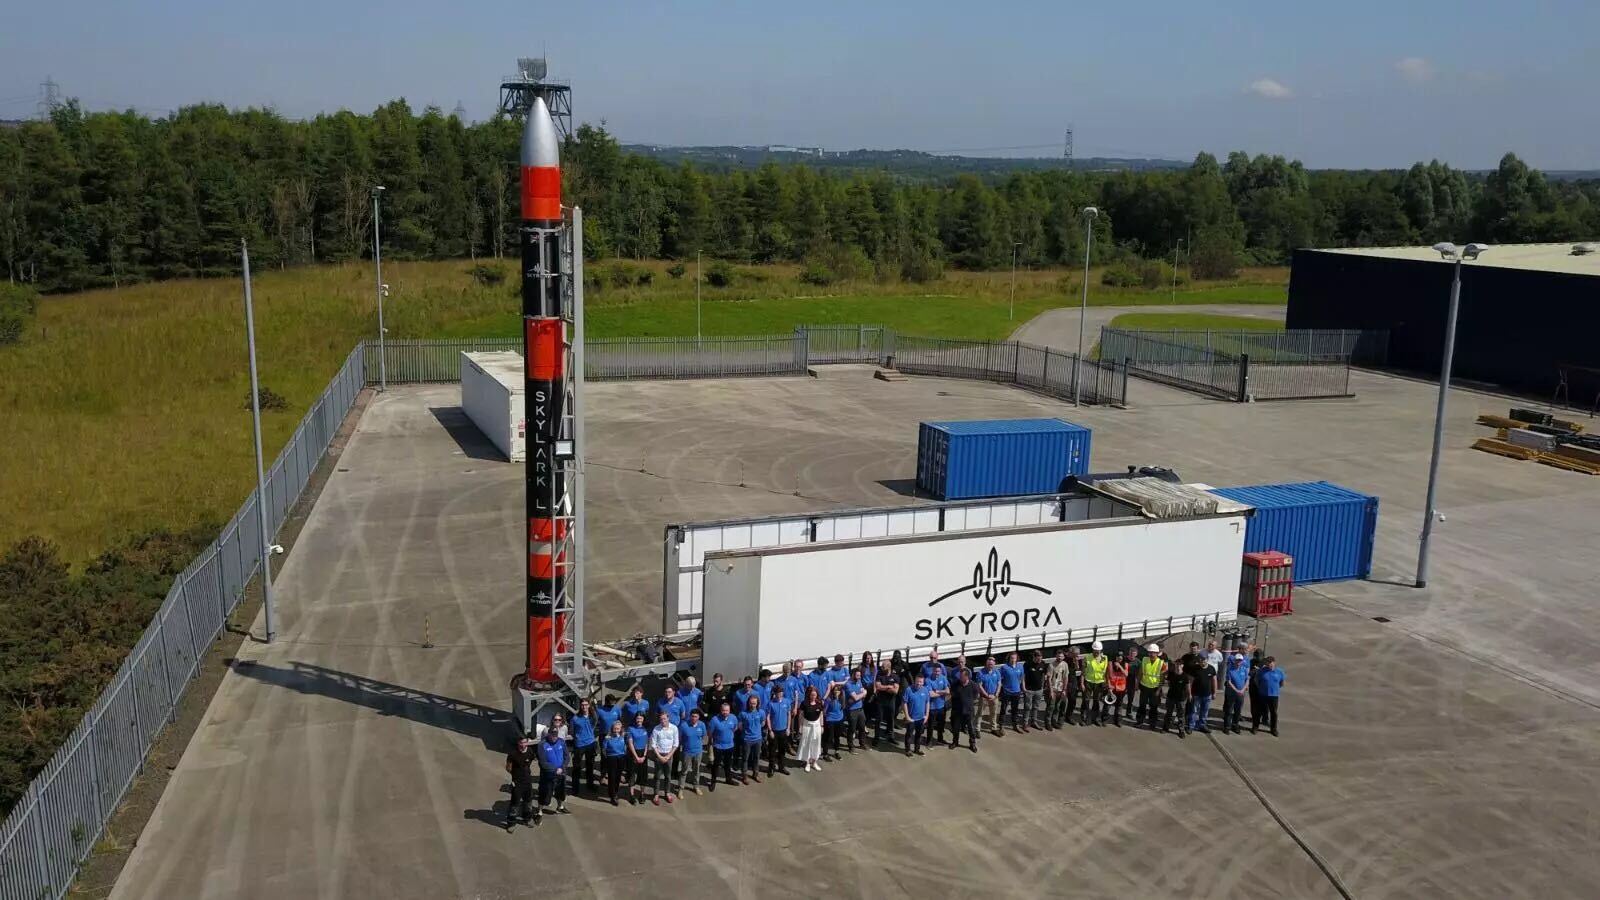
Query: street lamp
[[1090, 213], [377, 262], [267, 547], [1016, 247], [697, 336], [1457, 255], [1175, 248]]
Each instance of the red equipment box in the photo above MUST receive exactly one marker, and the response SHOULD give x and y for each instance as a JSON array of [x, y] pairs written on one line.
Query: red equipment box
[[1267, 587]]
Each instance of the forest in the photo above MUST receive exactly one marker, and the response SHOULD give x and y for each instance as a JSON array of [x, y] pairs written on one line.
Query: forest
[[92, 199]]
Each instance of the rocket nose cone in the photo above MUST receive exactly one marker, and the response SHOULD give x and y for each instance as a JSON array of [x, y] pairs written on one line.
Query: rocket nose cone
[[540, 145]]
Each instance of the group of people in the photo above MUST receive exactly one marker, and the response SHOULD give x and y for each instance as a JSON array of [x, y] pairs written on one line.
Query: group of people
[[691, 736]]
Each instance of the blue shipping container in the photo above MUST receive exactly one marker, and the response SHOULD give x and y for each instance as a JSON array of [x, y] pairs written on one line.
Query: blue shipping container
[[1326, 528], [999, 457]]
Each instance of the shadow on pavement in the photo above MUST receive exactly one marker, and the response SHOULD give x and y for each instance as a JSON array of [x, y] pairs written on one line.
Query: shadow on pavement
[[489, 725], [466, 435], [905, 487]]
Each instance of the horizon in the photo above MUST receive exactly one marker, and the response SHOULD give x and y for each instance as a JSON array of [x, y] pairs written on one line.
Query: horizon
[[1430, 83]]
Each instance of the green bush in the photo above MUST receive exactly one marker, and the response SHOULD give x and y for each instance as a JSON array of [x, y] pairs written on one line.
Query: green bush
[[720, 274], [65, 636], [270, 400], [921, 267], [1122, 275], [488, 276], [676, 270], [17, 305], [818, 274], [1215, 255]]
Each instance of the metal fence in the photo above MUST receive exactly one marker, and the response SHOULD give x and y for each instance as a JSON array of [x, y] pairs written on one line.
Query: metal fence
[[613, 359], [1248, 365], [606, 359], [1038, 368], [1361, 348], [63, 812], [1155, 357], [845, 343]]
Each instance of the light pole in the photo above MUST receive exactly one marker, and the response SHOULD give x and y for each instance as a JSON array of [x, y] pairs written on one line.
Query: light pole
[[697, 336], [1451, 253], [261, 479], [1089, 215], [1175, 248], [1016, 246], [377, 262]]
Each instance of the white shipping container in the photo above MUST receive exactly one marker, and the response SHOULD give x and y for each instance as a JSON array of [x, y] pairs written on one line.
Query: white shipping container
[[492, 397], [974, 592]]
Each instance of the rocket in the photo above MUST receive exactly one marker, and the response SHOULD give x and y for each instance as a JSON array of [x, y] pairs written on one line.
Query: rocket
[[544, 356]]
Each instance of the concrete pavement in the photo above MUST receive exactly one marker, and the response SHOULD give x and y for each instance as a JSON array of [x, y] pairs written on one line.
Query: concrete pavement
[[1058, 328], [1451, 751]]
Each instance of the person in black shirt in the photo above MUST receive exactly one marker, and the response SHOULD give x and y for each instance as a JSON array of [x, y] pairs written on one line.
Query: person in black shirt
[[886, 695], [1177, 696], [712, 698], [964, 710], [519, 763], [1034, 672]]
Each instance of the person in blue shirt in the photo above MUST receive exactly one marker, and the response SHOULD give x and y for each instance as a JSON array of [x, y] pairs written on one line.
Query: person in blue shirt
[[752, 733], [1011, 692], [869, 680], [741, 697], [638, 758], [1269, 685], [690, 695], [988, 679], [584, 729], [832, 722], [613, 757], [779, 716], [608, 713], [691, 749], [635, 705], [818, 678], [724, 729], [840, 673], [1235, 685], [855, 711], [932, 661], [939, 699], [552, 769], [916, 701], [794, 688], [672, 705]]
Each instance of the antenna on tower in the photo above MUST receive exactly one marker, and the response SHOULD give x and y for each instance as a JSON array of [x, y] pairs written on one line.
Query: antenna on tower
[[49, 97], [518, 91], [1066, 152]]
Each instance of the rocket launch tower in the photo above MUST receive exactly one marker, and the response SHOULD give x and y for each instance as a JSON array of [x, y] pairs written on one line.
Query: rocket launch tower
[[551, 244]]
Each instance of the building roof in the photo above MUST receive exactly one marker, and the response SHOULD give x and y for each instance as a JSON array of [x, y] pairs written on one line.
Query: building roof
[[1530, 257]]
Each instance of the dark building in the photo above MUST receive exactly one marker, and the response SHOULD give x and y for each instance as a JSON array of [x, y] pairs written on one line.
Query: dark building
[[1530, 313]]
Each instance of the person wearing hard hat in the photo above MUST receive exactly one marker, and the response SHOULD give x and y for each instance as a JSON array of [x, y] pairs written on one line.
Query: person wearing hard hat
[[1152, 671], [1236, 682], [1095, 671]]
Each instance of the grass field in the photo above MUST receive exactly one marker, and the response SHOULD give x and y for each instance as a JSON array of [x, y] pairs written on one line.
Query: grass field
[[125, 409], [1193, 322]]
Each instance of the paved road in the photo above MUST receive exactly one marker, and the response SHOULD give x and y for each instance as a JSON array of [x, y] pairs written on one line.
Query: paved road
[[1450, 752], [1058, 328]]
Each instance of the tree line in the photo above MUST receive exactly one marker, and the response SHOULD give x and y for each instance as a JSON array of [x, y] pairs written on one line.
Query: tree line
[[104, 198]]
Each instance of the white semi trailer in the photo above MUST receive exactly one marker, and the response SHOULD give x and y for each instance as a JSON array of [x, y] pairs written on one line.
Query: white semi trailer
[[976, 577]]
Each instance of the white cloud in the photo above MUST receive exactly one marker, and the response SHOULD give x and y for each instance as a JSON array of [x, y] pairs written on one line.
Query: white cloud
[[1270, 88], [1415, 69]]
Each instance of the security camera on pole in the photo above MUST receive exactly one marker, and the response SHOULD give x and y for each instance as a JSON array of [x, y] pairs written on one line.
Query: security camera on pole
[[1457, 255]]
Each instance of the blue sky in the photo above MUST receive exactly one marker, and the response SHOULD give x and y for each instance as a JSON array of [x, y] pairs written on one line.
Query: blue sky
[[1346, 84]]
